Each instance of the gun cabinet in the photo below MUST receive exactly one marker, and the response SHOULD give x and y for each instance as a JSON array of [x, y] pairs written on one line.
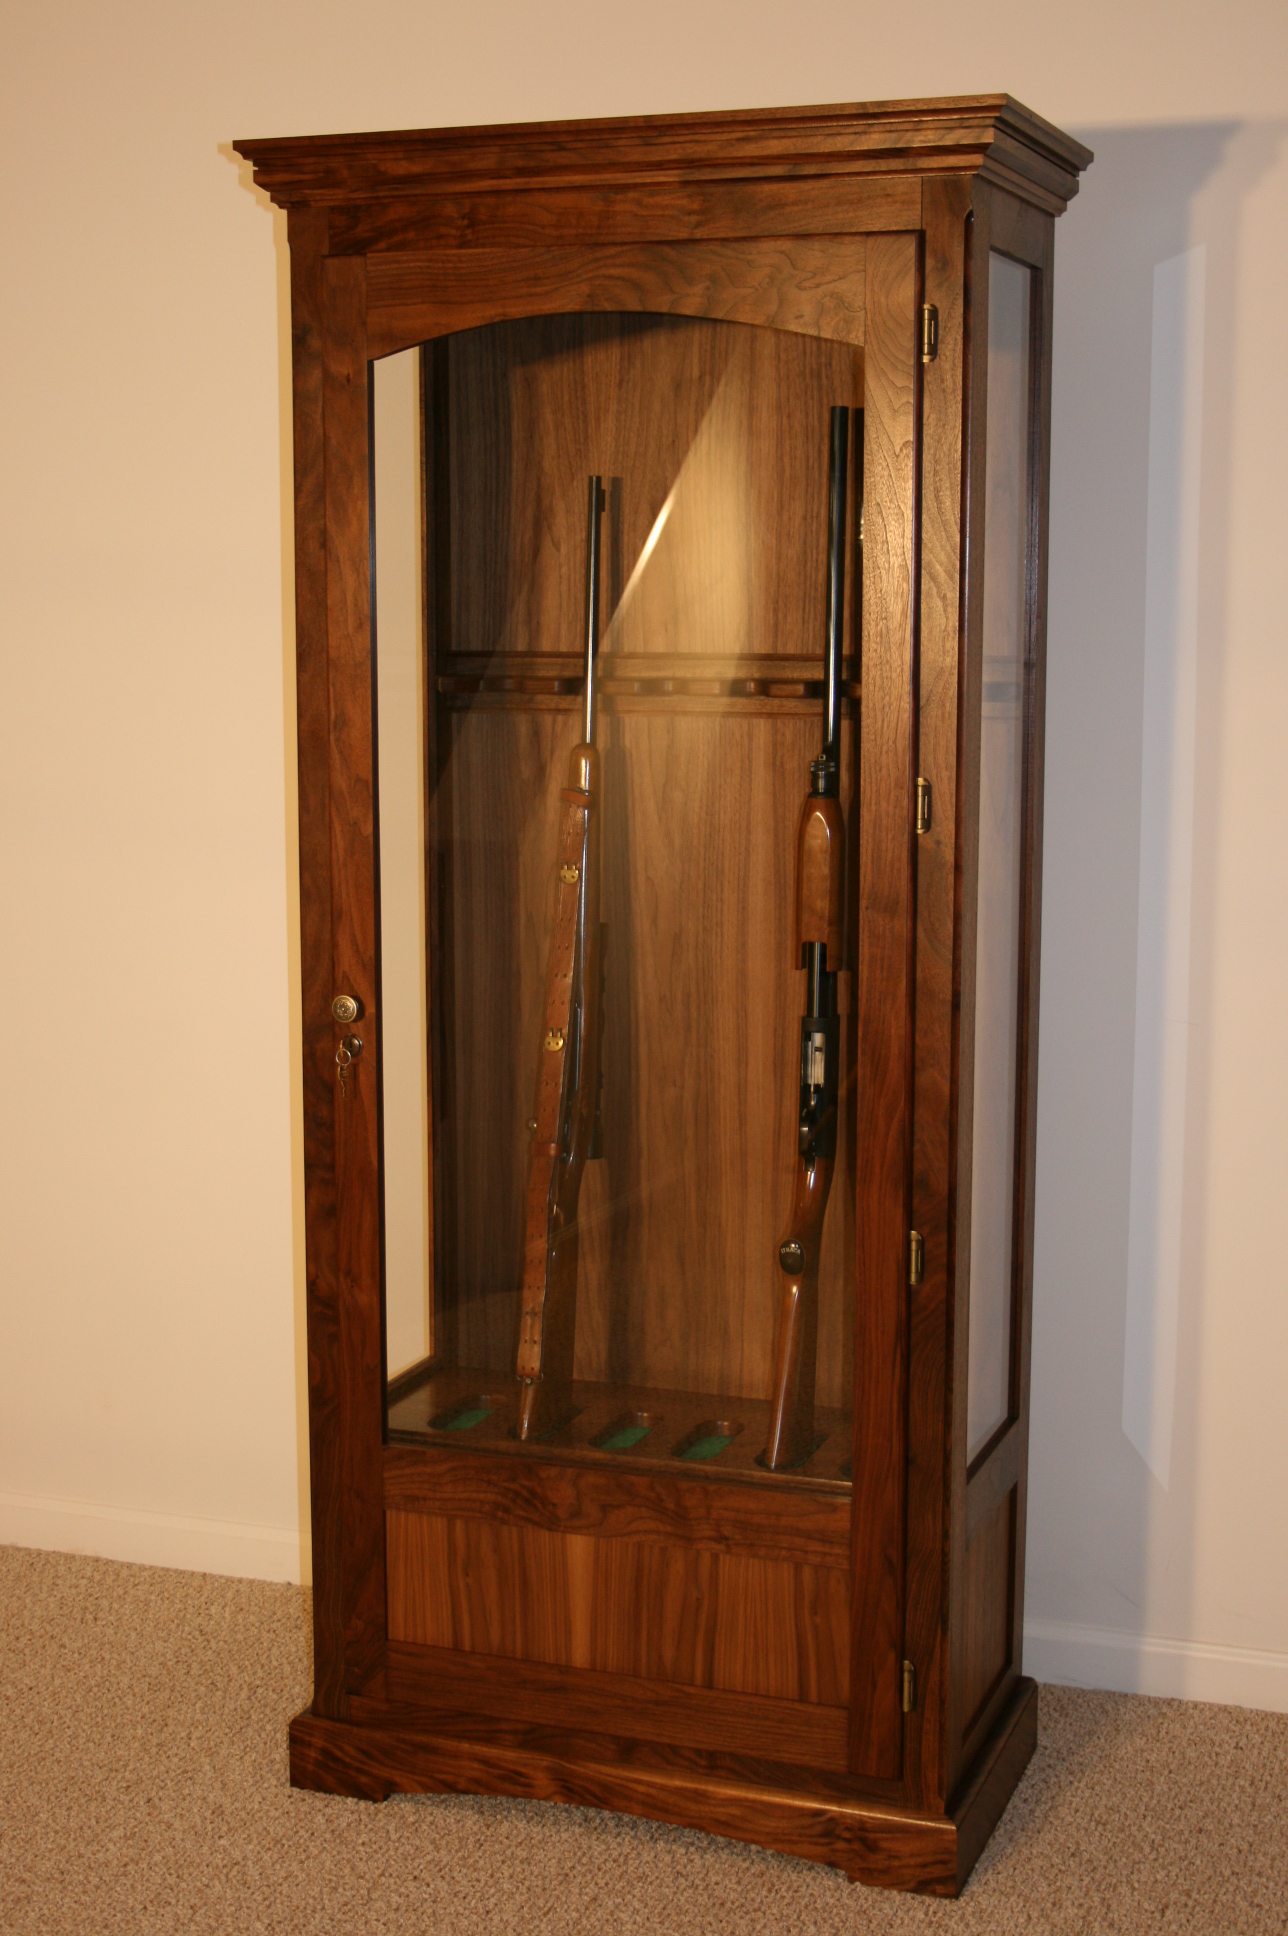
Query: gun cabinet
[[670, 549]]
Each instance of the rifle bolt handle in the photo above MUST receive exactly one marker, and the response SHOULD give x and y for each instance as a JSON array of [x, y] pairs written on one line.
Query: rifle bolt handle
[[791, 1256]]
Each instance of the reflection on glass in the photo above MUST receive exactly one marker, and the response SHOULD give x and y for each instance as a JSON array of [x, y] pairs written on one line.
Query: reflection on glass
[[712, 442], [1001, 781], [399, 632]]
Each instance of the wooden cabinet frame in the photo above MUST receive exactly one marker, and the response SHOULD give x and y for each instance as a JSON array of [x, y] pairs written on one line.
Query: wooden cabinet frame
[[843, 223]]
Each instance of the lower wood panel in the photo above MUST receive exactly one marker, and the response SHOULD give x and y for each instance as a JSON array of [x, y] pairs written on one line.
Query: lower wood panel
[[987, 1652], [446, 1692], [667, 1504], [664, 1613]]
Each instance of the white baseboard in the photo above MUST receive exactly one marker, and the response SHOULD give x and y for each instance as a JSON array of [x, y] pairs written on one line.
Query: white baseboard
[[151, 1538], [1069, 1656], [1182, 1670]]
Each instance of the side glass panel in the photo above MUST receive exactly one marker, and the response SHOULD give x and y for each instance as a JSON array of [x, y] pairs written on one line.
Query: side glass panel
[[1003, 738], [662, 1277], [399, 632]]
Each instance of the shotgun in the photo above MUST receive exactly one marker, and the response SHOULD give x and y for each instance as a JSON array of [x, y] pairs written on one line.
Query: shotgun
[[820, 866], [564, 1118]]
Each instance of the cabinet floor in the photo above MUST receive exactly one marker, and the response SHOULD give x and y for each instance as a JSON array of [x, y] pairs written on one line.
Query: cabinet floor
[[632, 1426]]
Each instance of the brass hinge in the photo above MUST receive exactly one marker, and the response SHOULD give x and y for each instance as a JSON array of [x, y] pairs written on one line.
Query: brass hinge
[[916, 1257], [909, 1687], [923, 806], [929, 332]]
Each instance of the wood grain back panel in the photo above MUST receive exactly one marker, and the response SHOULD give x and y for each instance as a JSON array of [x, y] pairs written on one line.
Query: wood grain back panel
[[712, 423], [682, 1217], [778, 1629], [714, 439]]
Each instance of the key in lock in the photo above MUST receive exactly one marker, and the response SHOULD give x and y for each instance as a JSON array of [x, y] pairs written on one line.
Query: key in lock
[[345, 1056]]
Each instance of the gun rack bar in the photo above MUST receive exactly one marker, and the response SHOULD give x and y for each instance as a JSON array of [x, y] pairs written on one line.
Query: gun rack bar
[[676, 1429], [644, 677]]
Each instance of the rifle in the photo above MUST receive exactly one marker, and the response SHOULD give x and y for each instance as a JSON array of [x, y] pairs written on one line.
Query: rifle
[[564, 1118], [820, 851]]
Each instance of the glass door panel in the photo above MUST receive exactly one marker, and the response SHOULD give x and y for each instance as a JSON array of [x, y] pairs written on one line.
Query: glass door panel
[[1003, 742], [398, 631], [712, 441]]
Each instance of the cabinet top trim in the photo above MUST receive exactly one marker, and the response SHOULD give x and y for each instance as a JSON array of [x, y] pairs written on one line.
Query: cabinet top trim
[[990, 134]]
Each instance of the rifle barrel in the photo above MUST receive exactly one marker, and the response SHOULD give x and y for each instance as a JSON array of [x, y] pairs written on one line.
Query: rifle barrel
[[596, 506], [837, 470]]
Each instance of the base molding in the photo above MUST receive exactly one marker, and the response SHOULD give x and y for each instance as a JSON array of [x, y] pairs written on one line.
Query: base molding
[[871, 1841], [1178, 1670], [143, 1538]]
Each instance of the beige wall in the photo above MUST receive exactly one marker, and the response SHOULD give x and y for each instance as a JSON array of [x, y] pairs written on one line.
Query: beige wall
[[150, 1367]]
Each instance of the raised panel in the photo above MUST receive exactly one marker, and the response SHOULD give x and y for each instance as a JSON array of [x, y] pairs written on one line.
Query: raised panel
[[771, 1628], [987, 1592]]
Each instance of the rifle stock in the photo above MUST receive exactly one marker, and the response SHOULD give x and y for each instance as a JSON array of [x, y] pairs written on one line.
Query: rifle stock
[[820, 868], [567, 1097]]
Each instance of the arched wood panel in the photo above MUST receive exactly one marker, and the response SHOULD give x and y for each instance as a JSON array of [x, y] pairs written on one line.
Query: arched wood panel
[[808, 284]]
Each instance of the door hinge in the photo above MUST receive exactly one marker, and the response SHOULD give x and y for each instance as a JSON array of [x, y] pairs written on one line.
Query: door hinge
[[909, 1687], [916, 1257], [929, 332], [923, 806]]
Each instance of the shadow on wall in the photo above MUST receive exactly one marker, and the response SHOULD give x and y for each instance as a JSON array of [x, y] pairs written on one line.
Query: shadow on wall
[[1144, 361]]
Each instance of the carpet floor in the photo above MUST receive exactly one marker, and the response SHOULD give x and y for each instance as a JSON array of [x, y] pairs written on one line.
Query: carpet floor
[[143, 1787]]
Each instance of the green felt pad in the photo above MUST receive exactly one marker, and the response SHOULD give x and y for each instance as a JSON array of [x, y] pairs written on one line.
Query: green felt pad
[[464, 1420], [709, 1447], [623, 1440]]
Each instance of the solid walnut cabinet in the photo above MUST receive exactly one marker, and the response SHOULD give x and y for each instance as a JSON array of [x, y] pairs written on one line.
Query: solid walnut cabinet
[[632, 1611]]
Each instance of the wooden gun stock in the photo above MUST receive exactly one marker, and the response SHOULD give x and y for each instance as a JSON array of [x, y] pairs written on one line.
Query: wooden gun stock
[[820, 869], [791, 1417], [567, 1075]]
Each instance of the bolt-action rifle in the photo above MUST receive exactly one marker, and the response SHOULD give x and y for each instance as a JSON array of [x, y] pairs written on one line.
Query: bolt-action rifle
[[820, 866], [568, 1075]]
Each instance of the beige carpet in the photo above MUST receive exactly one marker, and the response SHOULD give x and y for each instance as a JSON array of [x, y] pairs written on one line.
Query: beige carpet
[[143, 1786]]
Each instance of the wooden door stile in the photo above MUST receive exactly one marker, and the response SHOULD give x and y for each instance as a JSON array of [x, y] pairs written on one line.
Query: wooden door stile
[[307, 232], [353, 878], [885, 1004], [975, 417], [946, 205]]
